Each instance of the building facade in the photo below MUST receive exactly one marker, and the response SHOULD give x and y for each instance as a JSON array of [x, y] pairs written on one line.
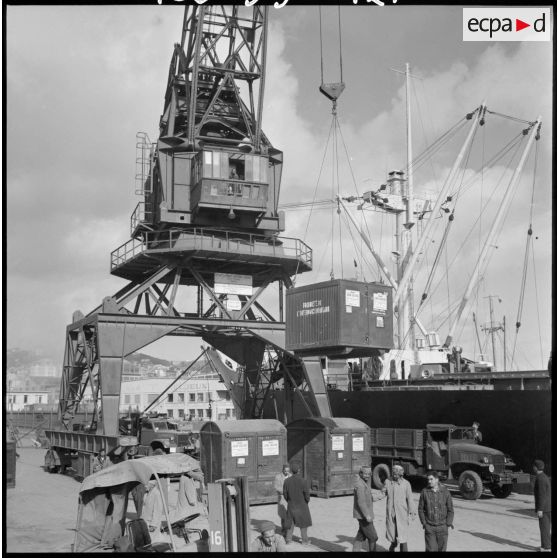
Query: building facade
[[203, 397], [19, 400]]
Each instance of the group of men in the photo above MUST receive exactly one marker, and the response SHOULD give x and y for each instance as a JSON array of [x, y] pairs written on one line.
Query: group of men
[[435, 510], [293, 495]]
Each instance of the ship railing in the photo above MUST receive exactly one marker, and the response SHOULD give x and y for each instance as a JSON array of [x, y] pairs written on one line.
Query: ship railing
[[206, 239]]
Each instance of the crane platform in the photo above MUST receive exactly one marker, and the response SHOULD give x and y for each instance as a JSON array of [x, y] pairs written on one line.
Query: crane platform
[[211, 251]]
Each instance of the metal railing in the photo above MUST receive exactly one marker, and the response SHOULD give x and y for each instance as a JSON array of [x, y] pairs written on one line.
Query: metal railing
[[205, 239], [140, 216]]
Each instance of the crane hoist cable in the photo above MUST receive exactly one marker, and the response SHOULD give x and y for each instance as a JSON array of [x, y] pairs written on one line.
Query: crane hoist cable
[[528, 244]]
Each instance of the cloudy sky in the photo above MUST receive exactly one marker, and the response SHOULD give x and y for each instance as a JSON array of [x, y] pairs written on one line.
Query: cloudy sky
[[82, 80]]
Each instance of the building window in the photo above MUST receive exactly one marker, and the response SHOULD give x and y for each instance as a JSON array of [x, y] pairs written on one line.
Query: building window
[[208, 396], [169, 413], [25, 399], [200, 413], [151, 397], [40, 399], [126, 400], [192, 397], [192, 415], [171, 398], [227, 396], [180, 413], [181, 397], [200, 396], [137, 399], [208, 413]]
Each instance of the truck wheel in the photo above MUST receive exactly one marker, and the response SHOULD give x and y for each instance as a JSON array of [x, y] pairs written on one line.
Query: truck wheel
[[470, 485], [379, 475], [501, 491]]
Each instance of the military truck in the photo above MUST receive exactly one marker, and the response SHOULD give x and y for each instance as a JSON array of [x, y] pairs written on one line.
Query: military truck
[[450, 450], [155, 431]]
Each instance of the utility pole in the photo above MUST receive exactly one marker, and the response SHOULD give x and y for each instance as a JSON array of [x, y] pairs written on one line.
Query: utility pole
[[493, 328]]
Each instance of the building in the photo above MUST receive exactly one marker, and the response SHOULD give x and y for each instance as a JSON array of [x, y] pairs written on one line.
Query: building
[[18, 400], [203, 397]]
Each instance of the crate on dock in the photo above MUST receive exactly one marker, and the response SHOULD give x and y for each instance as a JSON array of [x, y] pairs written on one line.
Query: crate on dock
[[256, 449], [331, 452]]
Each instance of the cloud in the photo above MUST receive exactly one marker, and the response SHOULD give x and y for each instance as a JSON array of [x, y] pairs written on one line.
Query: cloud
[[82, 80]]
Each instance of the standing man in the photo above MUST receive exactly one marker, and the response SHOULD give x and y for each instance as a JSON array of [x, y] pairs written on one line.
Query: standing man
[[101, 461], [399, 509], [297, 494], [363, 510], [435, 511], [475, 434], [281, 502], [543, 504]]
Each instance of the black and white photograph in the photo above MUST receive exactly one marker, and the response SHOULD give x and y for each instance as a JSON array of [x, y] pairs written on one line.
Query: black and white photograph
[[279, 277]]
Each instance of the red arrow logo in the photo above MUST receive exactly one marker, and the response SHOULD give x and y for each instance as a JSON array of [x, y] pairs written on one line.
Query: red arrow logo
[[519, 25]]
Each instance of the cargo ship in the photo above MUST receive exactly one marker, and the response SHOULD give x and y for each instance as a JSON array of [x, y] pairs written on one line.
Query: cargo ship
[[417, 379]]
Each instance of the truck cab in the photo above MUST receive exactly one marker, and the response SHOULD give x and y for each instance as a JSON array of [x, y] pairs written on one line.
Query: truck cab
[[453, 451], [157, 433]]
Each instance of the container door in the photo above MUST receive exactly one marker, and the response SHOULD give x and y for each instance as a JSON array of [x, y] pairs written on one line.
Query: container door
[[241, 457], [271, 455], [360, 451], [340, 465]]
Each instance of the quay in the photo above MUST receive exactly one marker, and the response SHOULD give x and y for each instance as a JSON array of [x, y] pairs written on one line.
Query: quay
[[41, 516]]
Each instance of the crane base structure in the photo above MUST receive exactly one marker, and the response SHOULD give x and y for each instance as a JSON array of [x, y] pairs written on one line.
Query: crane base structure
[[141, 313]]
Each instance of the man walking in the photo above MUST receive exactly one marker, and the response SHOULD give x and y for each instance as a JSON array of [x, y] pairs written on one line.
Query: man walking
[[543, 504], [399, 509], [297, 494], [363, 511], [281, 502], [435, 511]]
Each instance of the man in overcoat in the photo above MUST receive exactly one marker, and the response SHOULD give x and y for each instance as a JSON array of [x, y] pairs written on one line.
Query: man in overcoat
[[296, 491], [399, 509], [363, 510], [543, 504], [278, 483]]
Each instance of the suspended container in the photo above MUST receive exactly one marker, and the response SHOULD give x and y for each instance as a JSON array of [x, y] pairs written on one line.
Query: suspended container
[[331, 452], [339, 318], [256, 449]]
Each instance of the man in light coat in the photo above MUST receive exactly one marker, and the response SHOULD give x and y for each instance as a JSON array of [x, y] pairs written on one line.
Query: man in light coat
[[399, 509], [363, 510]]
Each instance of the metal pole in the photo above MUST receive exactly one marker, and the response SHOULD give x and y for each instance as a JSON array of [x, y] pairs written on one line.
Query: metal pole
[[441, 197], [495, 226], [504, 329], [492, 331]]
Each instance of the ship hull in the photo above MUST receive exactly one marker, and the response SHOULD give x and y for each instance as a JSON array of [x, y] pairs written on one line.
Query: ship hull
[[517, 422]]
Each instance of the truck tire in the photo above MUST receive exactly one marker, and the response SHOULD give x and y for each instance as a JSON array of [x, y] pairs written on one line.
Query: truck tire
[[379, 475], [470, 485], [501, 491]]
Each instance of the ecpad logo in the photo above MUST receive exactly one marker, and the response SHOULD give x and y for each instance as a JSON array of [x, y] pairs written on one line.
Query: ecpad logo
[[506, 24]]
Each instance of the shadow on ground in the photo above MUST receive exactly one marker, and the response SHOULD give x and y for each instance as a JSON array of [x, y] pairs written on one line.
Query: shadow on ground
[[327, 546], [500, 540], [527, 512]]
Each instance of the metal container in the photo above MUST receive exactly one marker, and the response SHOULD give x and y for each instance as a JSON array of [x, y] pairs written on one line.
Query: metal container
[[256, 449], [340, 318], [10, 471], [331, 452]]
